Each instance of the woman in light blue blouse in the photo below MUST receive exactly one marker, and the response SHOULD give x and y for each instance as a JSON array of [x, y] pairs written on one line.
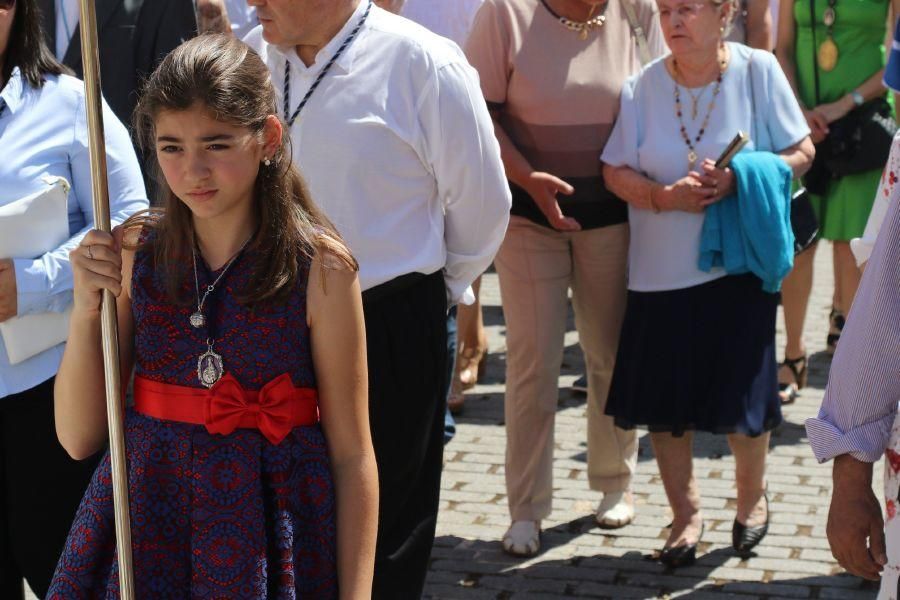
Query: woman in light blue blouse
[[43, 137], [697, 348]]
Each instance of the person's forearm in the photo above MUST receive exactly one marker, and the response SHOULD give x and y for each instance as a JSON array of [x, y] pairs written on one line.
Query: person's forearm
[[515, 164], [80, 392], [799, 157], [356, 488], [632, 187], [848, 471]]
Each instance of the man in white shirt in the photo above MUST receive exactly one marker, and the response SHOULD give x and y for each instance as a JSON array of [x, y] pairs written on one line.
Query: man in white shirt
[[392, 134]]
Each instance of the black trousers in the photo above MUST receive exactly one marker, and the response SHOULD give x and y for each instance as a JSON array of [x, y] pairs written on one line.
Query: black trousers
[[40, 489], [406, 332]]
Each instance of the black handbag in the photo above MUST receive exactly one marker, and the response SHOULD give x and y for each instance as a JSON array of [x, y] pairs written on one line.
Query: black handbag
[[859, 141], [804, 223]]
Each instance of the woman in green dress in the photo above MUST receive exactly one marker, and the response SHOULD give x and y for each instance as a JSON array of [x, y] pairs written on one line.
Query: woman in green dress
[[850, 58]]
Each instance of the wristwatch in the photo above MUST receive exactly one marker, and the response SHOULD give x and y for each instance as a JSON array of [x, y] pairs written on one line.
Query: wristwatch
[[858, 99]]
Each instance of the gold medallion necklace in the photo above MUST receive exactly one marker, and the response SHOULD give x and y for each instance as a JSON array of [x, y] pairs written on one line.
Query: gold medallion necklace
[[582, 28], [828, 54]]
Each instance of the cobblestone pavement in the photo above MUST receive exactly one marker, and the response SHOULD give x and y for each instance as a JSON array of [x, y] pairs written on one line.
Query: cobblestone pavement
[[580, 560]]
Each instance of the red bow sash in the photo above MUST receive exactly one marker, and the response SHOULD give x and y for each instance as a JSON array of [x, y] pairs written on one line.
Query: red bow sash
[[274, 410]]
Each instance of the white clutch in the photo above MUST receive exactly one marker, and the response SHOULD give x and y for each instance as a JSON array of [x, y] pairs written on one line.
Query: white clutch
[[30, 227]]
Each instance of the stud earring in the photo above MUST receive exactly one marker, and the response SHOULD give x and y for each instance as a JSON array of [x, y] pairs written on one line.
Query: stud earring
[[267, 162]]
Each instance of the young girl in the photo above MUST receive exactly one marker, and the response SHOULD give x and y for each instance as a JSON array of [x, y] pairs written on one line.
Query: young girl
[[240, 313]]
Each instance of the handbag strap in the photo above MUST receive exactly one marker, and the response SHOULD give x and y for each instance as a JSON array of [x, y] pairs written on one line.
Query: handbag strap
[[639, 35], [754, 114], [815, 48]]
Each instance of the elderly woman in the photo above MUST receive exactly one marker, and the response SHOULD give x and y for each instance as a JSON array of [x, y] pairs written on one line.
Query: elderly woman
[[43, 140], [697, 347], [551, 71]]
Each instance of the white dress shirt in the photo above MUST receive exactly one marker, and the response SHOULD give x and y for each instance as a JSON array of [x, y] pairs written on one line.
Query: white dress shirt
[[398, 149], [67, 19], [44, 132], [451, 19]]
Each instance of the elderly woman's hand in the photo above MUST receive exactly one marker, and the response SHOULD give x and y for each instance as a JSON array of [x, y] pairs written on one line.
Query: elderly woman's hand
[[8, 292], [96, 266], [720, 180], [543, 188], [688, 194], [818, 125]]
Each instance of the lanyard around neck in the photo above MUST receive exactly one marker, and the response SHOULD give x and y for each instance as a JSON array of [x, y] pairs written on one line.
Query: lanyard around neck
[[290, 118]]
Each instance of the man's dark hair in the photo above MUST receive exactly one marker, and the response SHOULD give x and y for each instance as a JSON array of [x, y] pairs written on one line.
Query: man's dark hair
[[26, 48]]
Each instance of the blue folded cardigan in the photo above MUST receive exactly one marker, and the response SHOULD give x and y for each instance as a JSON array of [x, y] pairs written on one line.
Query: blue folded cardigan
[[750, 231]]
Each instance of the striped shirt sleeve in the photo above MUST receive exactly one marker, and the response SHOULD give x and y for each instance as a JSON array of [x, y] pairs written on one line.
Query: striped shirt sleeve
[[864, 385]]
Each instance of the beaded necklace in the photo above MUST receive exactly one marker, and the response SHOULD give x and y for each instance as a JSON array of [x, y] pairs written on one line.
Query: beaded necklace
[[691, 144]]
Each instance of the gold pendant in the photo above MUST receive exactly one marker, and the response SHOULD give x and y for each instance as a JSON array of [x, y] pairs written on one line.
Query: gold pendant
[[828, 55], [584, 33], [692, 160]]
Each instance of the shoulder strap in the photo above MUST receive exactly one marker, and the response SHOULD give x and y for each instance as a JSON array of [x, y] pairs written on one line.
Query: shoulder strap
[[754, 113], [815, 48], [639, 35]]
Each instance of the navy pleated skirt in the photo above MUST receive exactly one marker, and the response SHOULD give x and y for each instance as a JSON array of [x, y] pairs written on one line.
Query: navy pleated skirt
[[700, 358]]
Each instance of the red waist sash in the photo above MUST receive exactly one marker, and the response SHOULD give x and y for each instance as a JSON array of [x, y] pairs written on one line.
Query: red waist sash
[[274, 410]]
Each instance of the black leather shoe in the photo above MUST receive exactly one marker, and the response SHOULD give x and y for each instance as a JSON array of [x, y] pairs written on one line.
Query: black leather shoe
[[681, 556], [744, 539]]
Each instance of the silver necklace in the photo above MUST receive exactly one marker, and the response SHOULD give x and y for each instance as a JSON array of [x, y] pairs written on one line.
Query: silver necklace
[[198, 319], [210, 366]]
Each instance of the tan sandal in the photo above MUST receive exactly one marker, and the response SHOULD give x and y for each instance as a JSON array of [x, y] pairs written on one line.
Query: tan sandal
[[470, 365]]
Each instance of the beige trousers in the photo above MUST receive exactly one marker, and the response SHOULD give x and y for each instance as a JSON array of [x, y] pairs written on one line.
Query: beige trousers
[[536, 268]]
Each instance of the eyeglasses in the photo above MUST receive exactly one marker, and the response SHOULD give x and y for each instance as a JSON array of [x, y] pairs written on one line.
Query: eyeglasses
[[685, 11], [7, 4]]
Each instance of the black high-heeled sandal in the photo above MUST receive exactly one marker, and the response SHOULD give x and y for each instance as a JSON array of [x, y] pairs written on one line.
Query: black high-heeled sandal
[[836, 323], [744, 539], [681, 556], [801, 378]]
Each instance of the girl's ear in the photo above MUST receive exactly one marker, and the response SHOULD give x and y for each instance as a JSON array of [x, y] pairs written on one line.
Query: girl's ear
[[272, 132]]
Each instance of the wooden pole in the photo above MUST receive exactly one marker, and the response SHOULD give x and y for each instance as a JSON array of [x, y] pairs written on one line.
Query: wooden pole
[[108, 321]]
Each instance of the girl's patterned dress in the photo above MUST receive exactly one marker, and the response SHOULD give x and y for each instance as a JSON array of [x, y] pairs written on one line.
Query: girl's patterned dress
[[212, 516]]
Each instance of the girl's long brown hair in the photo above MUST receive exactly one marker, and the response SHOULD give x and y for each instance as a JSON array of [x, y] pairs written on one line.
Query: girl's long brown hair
[[226, 77]]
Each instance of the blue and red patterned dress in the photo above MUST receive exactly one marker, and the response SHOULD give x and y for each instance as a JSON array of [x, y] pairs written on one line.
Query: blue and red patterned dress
[[212, 516]]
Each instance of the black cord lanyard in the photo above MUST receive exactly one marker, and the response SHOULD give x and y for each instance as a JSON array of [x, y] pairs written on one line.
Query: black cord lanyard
[[287, 73]]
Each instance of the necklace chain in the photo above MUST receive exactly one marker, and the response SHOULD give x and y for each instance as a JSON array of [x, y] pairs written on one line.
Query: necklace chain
[[290, 118], [692, 150], [212, 287], [582, 28]]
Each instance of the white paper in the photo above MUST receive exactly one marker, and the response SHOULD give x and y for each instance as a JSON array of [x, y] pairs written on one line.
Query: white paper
[[29, 228]]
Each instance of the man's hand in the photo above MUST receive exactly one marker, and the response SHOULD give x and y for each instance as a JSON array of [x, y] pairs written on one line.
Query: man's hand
[[855, 524], [543, 188], [9, 304]]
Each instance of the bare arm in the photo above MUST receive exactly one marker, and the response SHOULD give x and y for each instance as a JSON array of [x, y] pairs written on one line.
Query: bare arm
[[696, 191], [759, 25], [542, 187], [339, 354], [80, 391]]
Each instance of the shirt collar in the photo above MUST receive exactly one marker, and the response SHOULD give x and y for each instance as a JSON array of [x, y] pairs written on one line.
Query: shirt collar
[[345, 61], [13, 93]]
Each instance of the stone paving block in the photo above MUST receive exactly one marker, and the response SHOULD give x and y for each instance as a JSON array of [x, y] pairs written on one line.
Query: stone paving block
[[768, 589], [611, 591]]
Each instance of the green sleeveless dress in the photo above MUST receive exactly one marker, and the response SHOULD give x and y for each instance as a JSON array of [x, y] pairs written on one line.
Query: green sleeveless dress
[[859, 32]]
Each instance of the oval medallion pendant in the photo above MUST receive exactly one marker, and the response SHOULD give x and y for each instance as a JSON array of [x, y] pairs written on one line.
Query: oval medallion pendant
[[209, 368], [828, 55], [198, 320]]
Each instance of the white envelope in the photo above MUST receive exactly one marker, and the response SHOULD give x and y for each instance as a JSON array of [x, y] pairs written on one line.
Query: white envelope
[[29, 228]]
